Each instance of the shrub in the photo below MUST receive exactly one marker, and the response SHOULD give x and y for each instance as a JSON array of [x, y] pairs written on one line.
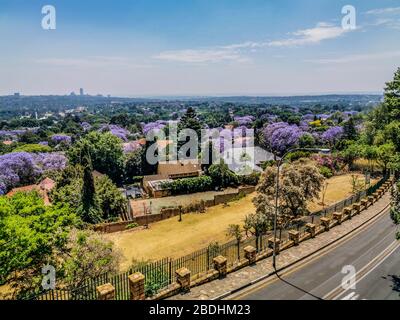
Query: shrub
[[131, 226], [294, 156], [326, 172], [189, 185], [32, 148], [250, 180]]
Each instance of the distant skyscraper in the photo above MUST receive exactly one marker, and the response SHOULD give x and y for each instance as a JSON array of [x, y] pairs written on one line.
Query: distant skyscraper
[[81, 91]]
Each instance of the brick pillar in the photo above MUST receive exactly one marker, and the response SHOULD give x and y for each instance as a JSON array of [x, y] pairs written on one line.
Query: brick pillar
[[371, 200], [338, 216], [277, 245], [326, 222], [220, 264], [294, 236], [357, 208], [183, 279], [311, 229], [250, 254], [348, 212], [136, 286], [105, 292]]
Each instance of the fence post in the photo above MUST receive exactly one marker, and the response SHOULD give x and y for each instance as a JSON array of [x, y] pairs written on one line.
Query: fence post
[[105, 292], [183, 279], [250, 253], [136, 286], [220, 264], [170, 270]]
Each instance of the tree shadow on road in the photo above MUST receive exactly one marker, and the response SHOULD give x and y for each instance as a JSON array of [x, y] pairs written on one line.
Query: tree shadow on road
[[396, 283]]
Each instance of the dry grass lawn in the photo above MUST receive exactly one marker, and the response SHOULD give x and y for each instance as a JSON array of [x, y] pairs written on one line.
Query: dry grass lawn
[[170, 238], [339, 188]]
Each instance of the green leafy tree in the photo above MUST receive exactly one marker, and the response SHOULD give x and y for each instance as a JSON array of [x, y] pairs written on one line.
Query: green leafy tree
[[222, 176], [89, 209], [30, 233], [351, 154], [190, 120], [105, 151], [349, 130], [69, 189], [385, 155], [134, 165], [88, 255], [111, 201], [395, 210], [235, 231]]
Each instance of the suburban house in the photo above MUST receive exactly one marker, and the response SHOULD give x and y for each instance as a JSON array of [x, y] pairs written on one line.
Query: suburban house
[[250, 159], [43, 188], [169, 171]]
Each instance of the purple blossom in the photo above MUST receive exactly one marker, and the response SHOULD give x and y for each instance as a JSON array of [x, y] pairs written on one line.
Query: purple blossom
[[115, 130], [61, 138], [21, 168], [332, 135], [44, 143], [153, 126], [131, 146], [50, 161], [245, 120], [17, 168], [86, 126], [11, 134], [281, 136]]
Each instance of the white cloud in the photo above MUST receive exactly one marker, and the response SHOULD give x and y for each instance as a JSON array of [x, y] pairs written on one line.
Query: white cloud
[[323, 31], [234, 52], [385, 17], [357, 58], [384, 11]]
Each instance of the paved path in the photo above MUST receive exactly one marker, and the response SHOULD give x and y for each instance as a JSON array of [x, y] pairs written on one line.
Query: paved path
[[246, 275]]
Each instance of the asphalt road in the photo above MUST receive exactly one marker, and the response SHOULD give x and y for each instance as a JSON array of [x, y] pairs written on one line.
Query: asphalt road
[[374, 253]]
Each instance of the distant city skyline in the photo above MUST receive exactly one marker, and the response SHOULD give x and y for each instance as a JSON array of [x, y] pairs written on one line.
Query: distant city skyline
[[158, 48]]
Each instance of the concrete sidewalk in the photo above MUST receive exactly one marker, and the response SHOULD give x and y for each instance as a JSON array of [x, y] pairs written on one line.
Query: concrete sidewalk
[[238, 279]]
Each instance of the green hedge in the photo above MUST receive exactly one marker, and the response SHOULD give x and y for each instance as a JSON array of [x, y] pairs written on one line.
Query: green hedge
[[189, 185]]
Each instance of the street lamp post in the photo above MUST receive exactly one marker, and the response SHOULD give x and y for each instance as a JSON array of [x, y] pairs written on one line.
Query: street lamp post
[[279, 163]]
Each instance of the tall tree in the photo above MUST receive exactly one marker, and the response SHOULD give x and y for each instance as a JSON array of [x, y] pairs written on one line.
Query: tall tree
[[105, 151], [89, 209], [349, 130]]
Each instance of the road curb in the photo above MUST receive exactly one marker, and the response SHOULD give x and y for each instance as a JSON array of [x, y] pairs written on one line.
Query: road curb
[[227, 294]]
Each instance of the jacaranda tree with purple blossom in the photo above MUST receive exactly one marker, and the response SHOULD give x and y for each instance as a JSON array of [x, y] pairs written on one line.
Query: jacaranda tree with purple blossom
[[61, 139], [115, 130], [280, 136], [332, 135], [23, 168], [17, 169], [152, 126]]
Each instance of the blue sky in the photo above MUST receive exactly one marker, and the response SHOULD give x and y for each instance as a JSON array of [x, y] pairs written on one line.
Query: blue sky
[[198, 47]]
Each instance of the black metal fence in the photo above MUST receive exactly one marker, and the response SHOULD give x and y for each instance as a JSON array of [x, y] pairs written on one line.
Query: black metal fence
[[161, 274]]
